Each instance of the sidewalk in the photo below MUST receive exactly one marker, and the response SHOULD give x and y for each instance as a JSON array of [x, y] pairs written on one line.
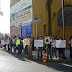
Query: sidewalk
[[34, 54]]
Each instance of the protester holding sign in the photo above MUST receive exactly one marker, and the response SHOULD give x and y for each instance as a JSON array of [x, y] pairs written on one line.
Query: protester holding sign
[[60, 46], [53, 47], [40, 50], [70, 44]]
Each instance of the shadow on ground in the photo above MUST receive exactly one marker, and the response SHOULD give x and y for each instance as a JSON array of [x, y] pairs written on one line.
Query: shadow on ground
[[53, 65]]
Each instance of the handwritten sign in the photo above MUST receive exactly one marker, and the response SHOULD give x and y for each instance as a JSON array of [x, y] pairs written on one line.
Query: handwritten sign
[[38, 43], [60, 43]]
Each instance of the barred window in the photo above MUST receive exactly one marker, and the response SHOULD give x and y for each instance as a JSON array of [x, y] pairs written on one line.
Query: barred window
[[67, 17]]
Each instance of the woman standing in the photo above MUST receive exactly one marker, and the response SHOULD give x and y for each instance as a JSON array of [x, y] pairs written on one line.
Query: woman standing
[[11, 45]]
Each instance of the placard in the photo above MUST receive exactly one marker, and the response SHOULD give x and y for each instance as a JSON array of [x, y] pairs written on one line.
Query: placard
[[2, 42], [47, 40], [38, 43], [60, 43], [53, 43]]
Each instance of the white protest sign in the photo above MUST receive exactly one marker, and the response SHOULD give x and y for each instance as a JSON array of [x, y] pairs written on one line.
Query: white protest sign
[[71, 42], [47, 40], [60, 43], [53, 43], [38, 43], [2, 42]]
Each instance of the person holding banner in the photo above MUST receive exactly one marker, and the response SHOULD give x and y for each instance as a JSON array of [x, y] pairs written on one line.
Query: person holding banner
[[70, 44], [40, 50], [61, 49], [53, 47]]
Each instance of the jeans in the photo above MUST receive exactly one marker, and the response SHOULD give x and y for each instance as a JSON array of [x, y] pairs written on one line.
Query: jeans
[[8, 48], [40, 51], [71, 53], [11, 49], [14, 47], [26, 50], [49, 52], [19, 49]]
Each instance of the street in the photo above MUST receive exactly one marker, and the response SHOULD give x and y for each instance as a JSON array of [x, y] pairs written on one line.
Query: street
[[15, 63]]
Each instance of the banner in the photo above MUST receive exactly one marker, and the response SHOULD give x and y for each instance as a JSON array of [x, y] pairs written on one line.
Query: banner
[[53, 43], [60, 43], [26, 30], [38, 43], [21, 13], [47, 40]]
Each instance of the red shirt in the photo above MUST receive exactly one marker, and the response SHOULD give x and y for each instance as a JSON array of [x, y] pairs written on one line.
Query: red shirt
[[70, 43]]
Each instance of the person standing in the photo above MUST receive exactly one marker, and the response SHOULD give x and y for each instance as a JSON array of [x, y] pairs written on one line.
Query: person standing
[[8, 40], [49, 49], [26, 46], [30, 47], [14, 46], [19, 45], [40, 50], [70, 47], [53, 47], [11, 45]]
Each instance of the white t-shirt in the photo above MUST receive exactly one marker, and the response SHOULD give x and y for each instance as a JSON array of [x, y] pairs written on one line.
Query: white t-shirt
[[13, 41]]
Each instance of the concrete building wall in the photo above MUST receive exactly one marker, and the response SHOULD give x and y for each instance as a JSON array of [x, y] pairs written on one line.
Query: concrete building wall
[[40, 11], [58, 31]]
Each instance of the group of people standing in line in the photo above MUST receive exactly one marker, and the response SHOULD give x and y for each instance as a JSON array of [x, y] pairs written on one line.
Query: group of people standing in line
[[27, 44], [52, 50], [16, 44]]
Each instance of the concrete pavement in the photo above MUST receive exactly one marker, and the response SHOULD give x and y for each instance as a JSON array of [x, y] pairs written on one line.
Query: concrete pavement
[[15, 63]]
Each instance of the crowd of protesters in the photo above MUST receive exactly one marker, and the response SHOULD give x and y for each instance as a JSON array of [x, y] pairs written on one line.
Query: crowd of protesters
[[17, 44]]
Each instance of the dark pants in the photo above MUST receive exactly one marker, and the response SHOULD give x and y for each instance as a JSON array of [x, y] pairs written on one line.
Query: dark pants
[[71, 53], [26, 50], [19, 49], [40, 51], [49, 51], [8, 48], [5, 46], [11, 49]]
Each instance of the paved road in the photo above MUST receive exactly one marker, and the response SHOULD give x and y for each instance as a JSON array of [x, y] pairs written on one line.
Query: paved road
[[14, 63]]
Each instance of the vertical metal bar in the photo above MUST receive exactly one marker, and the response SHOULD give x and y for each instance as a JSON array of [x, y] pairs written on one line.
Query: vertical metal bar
[[36, 30], [63, 16]]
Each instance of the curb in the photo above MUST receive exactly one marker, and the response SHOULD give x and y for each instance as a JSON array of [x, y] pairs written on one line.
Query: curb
[[34, 59]]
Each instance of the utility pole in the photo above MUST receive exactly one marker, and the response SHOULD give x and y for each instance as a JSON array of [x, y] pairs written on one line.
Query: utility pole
[[63, 17]]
